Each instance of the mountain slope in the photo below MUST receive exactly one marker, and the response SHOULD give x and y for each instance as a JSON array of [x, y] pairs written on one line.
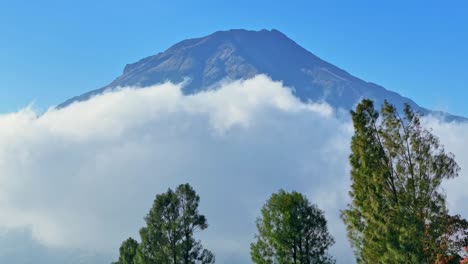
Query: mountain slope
[[241, 54]]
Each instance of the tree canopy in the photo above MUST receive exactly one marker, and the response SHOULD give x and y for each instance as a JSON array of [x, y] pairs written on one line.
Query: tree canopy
[[128, 251], [168, 237], [398, 212], [291, 230]]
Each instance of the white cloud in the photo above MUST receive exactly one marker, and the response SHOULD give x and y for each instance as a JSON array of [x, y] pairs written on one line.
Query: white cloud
[[83, 177], [454, 137]]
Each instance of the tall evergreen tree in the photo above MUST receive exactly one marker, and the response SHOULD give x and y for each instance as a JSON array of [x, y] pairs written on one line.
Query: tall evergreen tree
[[291, 230], [398, 212], [128, 251], [170, 226]]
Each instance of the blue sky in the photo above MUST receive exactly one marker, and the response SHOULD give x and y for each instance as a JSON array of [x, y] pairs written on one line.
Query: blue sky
[[59, 172], [53, 50]]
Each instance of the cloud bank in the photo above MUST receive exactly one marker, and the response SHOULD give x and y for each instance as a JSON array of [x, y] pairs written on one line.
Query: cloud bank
[[454, 136], [83, 177]]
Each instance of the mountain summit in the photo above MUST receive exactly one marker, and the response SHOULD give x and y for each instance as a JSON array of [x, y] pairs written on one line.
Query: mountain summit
[[242, 54]]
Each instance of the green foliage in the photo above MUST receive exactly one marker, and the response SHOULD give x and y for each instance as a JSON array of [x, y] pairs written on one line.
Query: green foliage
[[128, 250], [170, 227], [398, 213], [291, 230]]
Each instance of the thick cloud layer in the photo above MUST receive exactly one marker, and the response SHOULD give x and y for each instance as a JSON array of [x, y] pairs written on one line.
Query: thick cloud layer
[[454, 136], [82, 178]]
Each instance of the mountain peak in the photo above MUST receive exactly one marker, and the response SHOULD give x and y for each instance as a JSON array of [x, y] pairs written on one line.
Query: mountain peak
[[222, 42], [241, 54], [247, 33], [232, 54]]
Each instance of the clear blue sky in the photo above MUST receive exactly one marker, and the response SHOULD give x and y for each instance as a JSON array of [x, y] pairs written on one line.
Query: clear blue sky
[[53, 50]]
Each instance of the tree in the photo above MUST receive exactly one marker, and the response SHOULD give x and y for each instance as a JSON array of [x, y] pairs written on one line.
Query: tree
[[291, 230], [128, 250], [398, 212], [170, 226]]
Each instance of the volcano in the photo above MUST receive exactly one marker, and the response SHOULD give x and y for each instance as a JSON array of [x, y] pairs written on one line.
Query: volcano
[[203, 63]]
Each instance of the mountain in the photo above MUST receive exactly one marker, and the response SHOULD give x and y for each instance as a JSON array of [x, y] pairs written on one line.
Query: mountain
[[242, 54]]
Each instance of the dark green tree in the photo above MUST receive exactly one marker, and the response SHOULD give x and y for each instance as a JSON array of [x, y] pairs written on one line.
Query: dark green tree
[[398, 212], [128, 250], [170, 226], [291, 230]]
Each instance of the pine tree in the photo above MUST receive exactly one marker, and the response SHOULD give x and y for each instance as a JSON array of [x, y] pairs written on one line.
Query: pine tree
[[170, 226], [127, 251], [168, 237], [398, 212], [291, 230]]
